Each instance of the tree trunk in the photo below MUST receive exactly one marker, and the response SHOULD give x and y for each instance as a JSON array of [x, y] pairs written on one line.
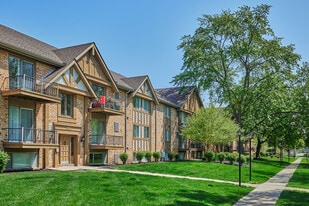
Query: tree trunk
[[258, 149]]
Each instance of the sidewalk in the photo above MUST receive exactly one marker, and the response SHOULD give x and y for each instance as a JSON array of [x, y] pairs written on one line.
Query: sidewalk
[[269, 192]]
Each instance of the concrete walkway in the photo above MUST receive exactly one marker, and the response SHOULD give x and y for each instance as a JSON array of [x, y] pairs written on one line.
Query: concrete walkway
[[264, 194], [269, 192]]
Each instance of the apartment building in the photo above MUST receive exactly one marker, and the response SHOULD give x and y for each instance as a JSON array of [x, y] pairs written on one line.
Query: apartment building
[[64, 106]]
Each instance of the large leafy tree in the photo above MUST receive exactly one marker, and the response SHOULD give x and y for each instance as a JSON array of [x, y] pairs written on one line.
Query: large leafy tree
[[241, 62], [210, 126]]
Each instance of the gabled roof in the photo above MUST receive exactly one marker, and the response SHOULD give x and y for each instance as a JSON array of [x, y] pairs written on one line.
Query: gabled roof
[[26, 45], [177, 95], [133, 84], [119, 81]]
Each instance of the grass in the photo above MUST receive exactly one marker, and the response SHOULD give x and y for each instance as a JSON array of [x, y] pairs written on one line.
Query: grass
[[262, 170], [112, 188], [300, 177], [294, 198]]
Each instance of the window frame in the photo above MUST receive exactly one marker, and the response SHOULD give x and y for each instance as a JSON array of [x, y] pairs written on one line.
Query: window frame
[[64, 110]]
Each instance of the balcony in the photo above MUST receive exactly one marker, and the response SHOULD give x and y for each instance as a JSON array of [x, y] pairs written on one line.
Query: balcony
[[30, 88], [110, 106], [29, 138], [105, 141]]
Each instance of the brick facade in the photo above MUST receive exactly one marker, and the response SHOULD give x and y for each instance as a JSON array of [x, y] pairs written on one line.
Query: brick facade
[[70, 140]]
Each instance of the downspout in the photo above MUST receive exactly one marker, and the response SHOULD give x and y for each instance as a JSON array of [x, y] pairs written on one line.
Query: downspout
[[125, 120], [155, 128]]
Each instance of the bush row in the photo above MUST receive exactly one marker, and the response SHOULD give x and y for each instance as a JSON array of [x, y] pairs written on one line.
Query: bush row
[[156, 155], [225, 156]]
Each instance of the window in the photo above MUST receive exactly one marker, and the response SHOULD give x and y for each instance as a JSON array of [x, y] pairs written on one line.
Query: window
[[167, 111], [136, 131], [66, 104], [183, 118], [141, 104], [21, 122], [97, 131], [23, 160], [146, 132], [167, 134], [21, 74], [99, 90], [97, 158]]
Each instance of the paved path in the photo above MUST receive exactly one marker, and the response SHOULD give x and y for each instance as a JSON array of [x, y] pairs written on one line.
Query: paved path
[[264, 194], [269, 192]]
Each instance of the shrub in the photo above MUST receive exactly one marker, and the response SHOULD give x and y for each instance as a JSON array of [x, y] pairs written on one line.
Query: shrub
[[156, 156], [221, 156], [170, 156], [209, 156], [4, 158], [232, 157], [243, 159], [177, 156], [139, 156], [124, 157], [148, 156]]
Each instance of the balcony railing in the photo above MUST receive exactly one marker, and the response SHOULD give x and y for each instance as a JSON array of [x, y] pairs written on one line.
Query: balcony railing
[[106, 140], [31, 84], [110, 103], [30, 136]]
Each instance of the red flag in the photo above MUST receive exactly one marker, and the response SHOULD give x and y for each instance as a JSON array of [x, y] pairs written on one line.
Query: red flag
[[102, 99]]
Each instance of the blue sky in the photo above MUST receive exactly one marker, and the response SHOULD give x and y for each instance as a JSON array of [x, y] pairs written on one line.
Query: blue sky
[[140, 37]]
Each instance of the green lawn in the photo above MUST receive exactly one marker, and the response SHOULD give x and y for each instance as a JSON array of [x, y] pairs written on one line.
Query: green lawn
[[295, 198], [112, 188], [262, 170], [300, 177]]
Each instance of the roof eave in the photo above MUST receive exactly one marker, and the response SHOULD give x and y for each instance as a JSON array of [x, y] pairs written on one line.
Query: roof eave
[[30, 54]]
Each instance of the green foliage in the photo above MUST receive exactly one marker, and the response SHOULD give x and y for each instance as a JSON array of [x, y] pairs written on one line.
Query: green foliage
[[239, 60], [4, 158], [170, 156], [242, 160], [124, 157], [211, 125], [209, 156], [232, 157], [221, 156], [139, 156], [148, 156], [156, 156], [177, 156]]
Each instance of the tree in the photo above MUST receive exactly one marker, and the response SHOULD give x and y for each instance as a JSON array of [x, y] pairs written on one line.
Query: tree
[[239, 60], [210, 125]]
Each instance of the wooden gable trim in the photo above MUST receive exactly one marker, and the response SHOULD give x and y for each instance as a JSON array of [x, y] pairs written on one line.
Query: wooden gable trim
[[154, 95], [82, 77], [95, 52]]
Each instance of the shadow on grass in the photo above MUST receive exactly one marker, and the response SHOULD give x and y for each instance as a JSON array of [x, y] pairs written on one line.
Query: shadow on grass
[[293, 198], [201, 197]]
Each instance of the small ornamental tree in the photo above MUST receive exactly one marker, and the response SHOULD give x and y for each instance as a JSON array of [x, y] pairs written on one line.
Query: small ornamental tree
[[221, 156], [243, 159], [139, 156], [209, 156], [171, 156], [177, 156], [232, 157], [156, 156], [124, 157], [148, 156], [4, 158]]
